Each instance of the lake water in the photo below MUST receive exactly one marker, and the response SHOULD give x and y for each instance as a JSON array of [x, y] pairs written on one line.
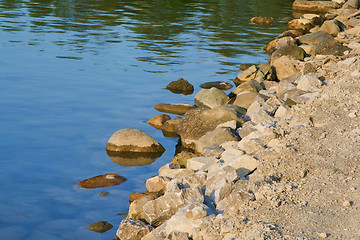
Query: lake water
[[72, 72]]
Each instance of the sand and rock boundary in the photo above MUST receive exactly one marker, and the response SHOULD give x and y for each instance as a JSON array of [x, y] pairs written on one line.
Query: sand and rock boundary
[[277, 158]]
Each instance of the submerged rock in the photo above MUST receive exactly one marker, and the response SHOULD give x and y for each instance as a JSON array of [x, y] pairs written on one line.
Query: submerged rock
[[263, 20], [180, 86], [105, 180], [179, 109], [100, 227], [133, 140]]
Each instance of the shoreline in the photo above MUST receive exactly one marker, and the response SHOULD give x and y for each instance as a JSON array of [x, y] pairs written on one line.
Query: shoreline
[[247, 180]]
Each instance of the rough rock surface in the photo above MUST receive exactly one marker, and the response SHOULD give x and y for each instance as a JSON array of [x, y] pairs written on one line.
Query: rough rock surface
[[133, 229]]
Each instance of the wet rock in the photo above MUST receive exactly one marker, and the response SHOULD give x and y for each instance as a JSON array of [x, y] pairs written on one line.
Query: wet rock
[[309, 81], [137, 195], [157, 184], [133, 229], [188, 219], [105, 180], [284, 67], [133, 158], [159, 120], [244, 67], [303, 25], [244, 99], [136, 207], [263, 20], [314, 6], [217, 84], [211, 98], [332, 27], [163, 208], [133, 140], [246, 75], [178, 109], [198, 122], [100, 227], [103, 193], [216, 137], [182, 158], [291, 51], [180, 86]]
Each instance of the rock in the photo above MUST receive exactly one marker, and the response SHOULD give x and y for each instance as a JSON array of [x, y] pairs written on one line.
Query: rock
[[351, 4], [243, 67], [315, 19], [250, 145], [105, 180], [284, 67], [284, 87], [291, 33], [133, 140], [133, 229], [266, 71], [217, 84], [137, 195], [212, 151], [219, 185], [176, 235], [252, 86], [178, 109], [163, 208], [263, 20], [217, 136], [157, 184], [309, 81], [314, 6], [188, 219], [180, 86], [332, 27], [246, 75], [347, 203], [100, 227], [133, 158], [280, 42], [231, 151], [244, 164], [211, 98], [230, 124], [235, 201], [244, 99], [291, 51], [352, 22], [182, 158], [159, 120], [198, 122], [303, 25], [136, 207], [168, 170], [169, 127], [103, 193], [309, 49], [202, 163], [246, 129], [308, 68], [284, 112]]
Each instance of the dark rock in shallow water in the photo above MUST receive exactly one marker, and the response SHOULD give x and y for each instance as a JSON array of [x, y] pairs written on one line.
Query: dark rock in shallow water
[[217, 84], [178, 109], [159, 120], [100, 227], [314, 6], [263, 20], [181, 86], [105, 180]]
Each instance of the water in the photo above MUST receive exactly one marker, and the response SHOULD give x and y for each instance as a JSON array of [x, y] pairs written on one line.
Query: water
[[74, 72]]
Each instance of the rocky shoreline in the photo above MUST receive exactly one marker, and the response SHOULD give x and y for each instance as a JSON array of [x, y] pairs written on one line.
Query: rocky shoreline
[[277, 158]]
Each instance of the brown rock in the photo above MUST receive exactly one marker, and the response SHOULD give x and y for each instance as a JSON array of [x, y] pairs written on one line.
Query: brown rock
[[303, 25], [137, 195], [180, 86], [100, 227], [182, 157], [217, 84], [133, 229], [159, 120], [179, 109], [263, 20], [314, 6], [105, 180]]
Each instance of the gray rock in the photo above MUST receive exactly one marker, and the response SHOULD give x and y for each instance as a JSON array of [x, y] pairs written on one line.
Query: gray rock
[[309, 81], [218, 136], [284, 67], [244, 164], [211, 98], [136, 207], [157, 184], [133, 140], [196, 123], [332, 27], [246, 129], [351, 4], [292, 51], [244, 99], [246, 75], [235, 201], [266, 71], [133, 229]]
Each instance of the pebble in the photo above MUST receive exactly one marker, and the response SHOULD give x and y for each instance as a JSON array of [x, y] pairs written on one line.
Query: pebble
[[353, 114], [347, 203], [323, 235]]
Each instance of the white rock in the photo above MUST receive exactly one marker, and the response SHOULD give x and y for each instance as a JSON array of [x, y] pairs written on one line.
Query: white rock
[[133, 229], [198, 163], [308, 81], [231, 153], [243, 164], [284, 112], [167, 171], [157, 184]]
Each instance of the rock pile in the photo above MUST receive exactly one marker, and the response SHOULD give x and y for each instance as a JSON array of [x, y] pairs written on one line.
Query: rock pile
[[278, 158]]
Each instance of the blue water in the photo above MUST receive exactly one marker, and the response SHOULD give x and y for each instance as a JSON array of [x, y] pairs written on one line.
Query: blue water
[[74, 72]]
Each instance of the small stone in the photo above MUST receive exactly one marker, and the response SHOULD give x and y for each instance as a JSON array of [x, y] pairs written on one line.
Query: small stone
[[323, 235], [103, 193], [347, 203], [159, 120], [105, 180], [353, 114], [100, 227]]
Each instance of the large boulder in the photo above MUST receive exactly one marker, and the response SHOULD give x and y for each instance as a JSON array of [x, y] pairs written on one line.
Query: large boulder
[[284, 67], [133, 140], [180, 86], [280, 42], [133, 229], [211, 98], [252, 86], [196, 123], [244, 99], [332, 27]]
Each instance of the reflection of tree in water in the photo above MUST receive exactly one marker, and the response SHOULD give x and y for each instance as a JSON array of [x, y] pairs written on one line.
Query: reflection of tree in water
[[165, 28]]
